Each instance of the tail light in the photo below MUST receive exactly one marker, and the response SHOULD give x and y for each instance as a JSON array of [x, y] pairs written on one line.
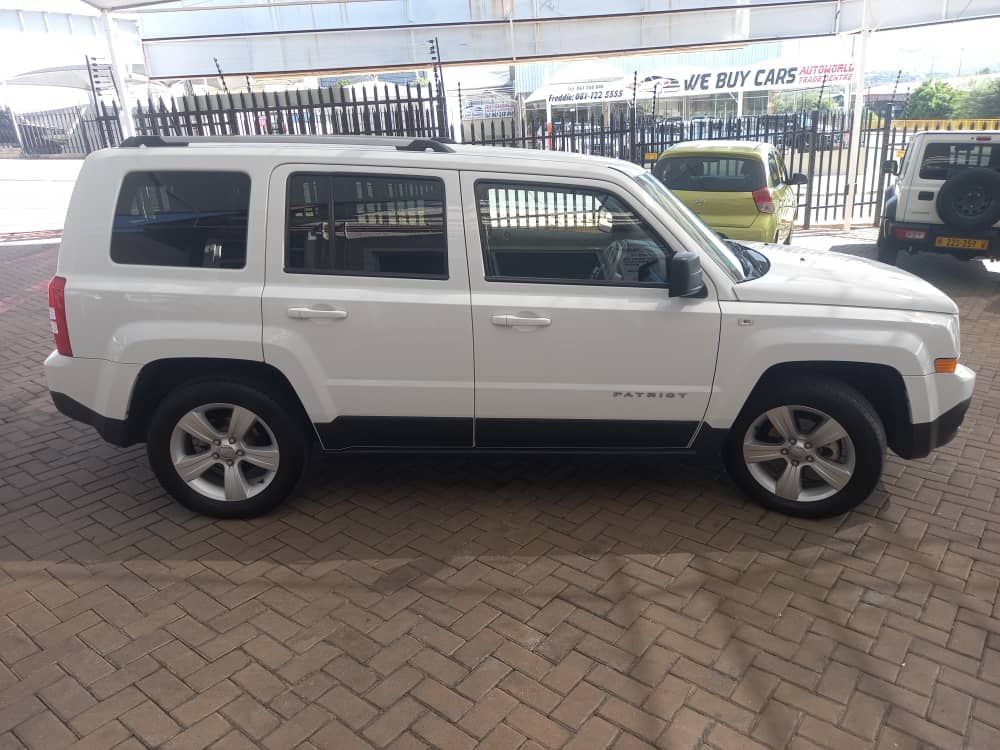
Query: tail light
[[57, 315], [906, 233], [765, 203]]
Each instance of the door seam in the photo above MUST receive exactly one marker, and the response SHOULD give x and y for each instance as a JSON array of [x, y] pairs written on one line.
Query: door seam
[[468, 278]]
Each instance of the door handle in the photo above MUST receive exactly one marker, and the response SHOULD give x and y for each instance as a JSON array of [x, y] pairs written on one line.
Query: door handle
[[314, 312], [510, 321]]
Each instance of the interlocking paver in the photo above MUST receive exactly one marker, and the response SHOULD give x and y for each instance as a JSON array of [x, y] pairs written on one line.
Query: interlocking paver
[[44, 731], [528, 603]]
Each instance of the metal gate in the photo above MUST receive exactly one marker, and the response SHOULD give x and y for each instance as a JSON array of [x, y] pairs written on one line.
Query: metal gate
[[68, 131], [816, 144]]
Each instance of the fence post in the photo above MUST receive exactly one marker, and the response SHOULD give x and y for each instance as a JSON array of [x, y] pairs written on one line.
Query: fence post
[[883, 157], [811, 171], [633, 125], [17, 129]]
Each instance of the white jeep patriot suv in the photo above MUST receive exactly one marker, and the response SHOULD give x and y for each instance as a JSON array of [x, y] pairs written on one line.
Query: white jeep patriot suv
[[229, 302], [946, 198]]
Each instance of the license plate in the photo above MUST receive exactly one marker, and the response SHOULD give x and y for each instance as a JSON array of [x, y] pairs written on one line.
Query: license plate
[[961, 243]]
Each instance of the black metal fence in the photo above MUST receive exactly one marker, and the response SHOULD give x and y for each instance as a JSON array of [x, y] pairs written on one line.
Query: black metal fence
[[412, 110], [69, 131], [816, 144]]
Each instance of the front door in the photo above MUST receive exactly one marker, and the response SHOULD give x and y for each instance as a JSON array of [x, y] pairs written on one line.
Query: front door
[[366, 304], [577, 343]]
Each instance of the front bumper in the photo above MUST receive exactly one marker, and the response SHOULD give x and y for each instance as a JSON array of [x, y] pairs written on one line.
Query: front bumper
[[922, 438]]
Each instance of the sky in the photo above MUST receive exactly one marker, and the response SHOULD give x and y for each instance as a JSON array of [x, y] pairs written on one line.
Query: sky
[[937, 49]]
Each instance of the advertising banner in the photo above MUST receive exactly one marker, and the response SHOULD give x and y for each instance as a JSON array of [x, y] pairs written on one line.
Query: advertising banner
[[769, 75]]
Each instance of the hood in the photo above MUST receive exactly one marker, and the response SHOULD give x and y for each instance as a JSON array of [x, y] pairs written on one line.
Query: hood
[[822, 277]]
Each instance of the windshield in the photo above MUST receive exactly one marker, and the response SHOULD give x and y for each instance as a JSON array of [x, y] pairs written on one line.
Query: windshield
[[708, 240]]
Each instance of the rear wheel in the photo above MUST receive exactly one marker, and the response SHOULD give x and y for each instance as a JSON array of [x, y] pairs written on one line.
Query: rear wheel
[[225, 448], [886, 254], [813, 450]]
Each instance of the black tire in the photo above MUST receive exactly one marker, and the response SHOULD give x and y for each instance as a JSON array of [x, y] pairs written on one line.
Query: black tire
[[970, 199], [288, 433], [887, 253], [844, 404]]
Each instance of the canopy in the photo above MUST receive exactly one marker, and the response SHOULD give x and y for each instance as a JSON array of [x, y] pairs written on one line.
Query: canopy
[[68, 76], [123, 4]]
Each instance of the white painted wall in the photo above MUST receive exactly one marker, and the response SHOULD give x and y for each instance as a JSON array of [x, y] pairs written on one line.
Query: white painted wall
[[34, 193]]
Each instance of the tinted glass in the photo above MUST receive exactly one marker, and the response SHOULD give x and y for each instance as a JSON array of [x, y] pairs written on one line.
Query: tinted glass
[[366, 225], [710, 173], [193, 219], [777, 172], [941, 160], [559, 235]]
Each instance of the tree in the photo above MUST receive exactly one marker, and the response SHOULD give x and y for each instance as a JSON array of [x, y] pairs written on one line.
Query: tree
[[932, 100], [807, 101], [981, 100]]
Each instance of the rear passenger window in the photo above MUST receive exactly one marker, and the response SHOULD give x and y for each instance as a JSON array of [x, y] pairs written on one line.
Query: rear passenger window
[[183, 218], [366, 225], [776, 169]]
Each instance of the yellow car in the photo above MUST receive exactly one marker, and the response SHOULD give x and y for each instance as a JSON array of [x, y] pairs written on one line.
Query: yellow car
[[739, 188]]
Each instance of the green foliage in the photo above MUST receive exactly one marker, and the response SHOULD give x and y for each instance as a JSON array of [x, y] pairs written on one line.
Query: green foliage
[[932, 100], [807, 101], [981, 100]]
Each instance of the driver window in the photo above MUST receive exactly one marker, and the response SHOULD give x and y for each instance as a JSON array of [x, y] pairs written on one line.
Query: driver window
[[558, 235]]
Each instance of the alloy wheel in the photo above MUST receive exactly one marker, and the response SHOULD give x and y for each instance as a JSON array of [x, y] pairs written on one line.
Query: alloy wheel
[[799, 453], [224, 452]]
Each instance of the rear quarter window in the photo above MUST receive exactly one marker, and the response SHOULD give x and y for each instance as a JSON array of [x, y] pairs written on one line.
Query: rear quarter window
[[190, 219], [711, 173]]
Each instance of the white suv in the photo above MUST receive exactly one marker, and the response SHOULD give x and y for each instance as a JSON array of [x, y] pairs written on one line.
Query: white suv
[[947, 197], [232, 302]]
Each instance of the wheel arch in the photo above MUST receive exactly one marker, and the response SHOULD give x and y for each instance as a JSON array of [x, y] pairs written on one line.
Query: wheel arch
[[156, 379], [881, 385]]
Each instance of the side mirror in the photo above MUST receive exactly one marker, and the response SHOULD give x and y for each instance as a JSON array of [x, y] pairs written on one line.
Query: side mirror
[[686, 278], [891, 167], [798, 179]]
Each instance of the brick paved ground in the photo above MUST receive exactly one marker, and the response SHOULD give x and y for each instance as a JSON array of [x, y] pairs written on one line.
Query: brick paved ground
[[512, 603]]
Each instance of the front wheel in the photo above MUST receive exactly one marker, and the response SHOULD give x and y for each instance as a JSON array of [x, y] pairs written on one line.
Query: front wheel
[[225, 448], [812, 450]]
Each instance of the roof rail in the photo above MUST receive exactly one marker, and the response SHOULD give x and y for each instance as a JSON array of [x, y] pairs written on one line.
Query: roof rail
[[401, 143]]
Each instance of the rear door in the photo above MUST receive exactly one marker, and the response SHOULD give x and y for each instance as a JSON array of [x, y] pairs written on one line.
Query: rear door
[[782, 194], [717, 187], [366, 304]]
